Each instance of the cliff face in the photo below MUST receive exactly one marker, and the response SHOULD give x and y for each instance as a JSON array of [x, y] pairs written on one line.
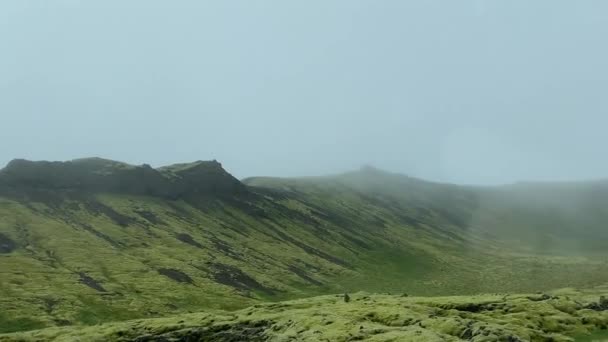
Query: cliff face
[[199, 178], [101, 175]]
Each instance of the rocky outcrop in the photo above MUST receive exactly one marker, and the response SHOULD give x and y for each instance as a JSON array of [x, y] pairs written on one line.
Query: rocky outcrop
[[201, 177], [101, 175]]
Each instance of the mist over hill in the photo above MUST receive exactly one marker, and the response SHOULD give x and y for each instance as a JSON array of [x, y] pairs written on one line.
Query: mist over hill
[[94, 240]]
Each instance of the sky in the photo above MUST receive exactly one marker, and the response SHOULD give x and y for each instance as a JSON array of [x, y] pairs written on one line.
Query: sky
[[471, 91]]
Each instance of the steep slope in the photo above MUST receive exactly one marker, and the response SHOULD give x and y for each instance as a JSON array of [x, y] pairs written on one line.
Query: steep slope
[[541, 218], [94, 240]]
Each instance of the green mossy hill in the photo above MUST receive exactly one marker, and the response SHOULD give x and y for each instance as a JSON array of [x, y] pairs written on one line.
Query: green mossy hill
[[566, 218], [560, 316], [102, 175], [92, 240]]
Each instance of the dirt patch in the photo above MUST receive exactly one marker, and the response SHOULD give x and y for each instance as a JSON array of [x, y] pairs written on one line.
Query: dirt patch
[[7, 245], [90, 282], [234, 277], [176, 275]]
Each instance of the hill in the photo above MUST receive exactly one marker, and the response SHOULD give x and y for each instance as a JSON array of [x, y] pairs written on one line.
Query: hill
[[94, 240]]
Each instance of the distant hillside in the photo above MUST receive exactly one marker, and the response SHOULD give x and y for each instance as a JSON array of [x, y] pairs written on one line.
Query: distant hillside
[[95, 240]]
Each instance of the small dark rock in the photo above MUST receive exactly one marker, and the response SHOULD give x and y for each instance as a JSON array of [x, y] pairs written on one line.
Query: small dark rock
[[467, 334], [346, 298], [6, 244], [542, 297], [602, 305]]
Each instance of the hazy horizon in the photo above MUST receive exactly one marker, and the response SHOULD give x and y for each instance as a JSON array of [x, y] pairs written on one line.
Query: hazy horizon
[[471, 92]]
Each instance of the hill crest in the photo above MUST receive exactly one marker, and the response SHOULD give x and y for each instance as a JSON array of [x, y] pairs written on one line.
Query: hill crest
[[104, 175]]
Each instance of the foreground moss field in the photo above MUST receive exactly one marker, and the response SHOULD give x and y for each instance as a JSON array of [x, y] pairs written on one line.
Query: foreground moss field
[[563, 315], [77, 249]]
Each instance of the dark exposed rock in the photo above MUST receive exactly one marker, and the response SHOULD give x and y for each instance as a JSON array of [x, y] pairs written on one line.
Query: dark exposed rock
[[601, 305], [302, 274], [62, 322], [201, 177], [93, 175], [234, 277], [186, 238], [149, 216], [225, 248], [90, 282], [358, 242], [467, 334], [101, 235], [509, 338], [176, 275], [7, 245], [253, 331], [308, 249], [473, 307], [97, 208], [540, 298]]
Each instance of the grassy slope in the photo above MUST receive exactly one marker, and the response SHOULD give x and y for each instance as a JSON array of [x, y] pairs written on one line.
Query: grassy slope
[[89, 258], [557, 316]]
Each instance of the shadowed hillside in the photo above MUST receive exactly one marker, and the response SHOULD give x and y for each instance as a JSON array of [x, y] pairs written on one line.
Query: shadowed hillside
[[94, 240]]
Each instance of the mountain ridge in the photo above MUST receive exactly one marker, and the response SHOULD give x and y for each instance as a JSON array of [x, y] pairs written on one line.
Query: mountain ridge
[[102, 165], [103, 175]]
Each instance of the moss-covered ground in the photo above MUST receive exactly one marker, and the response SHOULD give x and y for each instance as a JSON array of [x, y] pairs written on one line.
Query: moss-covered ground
[[563, 315]]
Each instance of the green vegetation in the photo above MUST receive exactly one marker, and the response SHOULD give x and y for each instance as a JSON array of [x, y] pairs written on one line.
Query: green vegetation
[[564, 315], [93, 241]]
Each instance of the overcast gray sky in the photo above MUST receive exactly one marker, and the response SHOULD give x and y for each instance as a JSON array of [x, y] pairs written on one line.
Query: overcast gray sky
[[461, 91]]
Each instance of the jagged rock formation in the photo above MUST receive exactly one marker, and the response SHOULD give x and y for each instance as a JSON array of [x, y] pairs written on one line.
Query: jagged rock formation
[[101, 175]]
